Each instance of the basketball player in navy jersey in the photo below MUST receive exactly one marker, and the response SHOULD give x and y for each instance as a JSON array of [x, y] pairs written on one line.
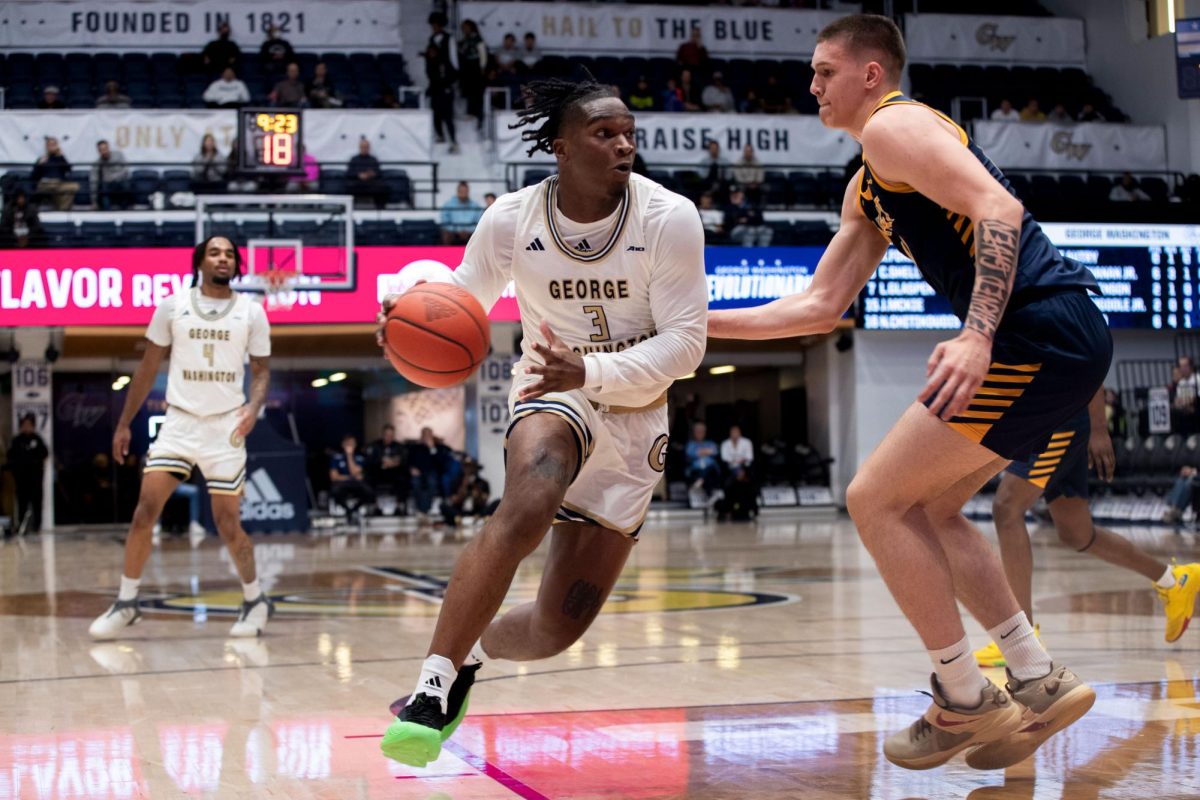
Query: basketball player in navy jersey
[[1032, 351], [609, 274]]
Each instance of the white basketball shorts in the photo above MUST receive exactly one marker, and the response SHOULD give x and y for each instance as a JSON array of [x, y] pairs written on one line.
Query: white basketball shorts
[[210, 443]]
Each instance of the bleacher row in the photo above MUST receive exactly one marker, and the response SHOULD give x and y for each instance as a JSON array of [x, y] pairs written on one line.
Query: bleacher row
[[168, 80], [148, 233], [1151, 464], [939, 84]]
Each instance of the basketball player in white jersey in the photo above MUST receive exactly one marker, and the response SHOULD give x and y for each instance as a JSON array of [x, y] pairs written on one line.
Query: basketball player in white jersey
[[209, 330], [609, 275]]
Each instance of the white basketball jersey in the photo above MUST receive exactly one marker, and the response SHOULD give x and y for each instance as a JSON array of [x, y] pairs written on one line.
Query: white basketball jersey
[[634, 278], [208, 349]]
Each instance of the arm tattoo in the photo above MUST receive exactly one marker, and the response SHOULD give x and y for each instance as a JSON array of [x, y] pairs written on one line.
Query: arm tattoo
[[583, 600], [260, 381], [996, 246]]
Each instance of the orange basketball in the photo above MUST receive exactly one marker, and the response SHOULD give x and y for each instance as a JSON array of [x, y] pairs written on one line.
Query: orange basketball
[[436, 335]]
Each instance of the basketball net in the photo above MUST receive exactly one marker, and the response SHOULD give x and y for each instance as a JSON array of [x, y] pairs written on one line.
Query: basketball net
[[279, 289]]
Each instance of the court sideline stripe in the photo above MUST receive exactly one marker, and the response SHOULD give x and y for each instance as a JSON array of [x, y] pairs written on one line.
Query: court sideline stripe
[[494, 772]]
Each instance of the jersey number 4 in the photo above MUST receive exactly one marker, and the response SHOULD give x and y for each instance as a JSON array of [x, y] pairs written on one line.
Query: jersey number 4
[[210, 350], [599, 321]]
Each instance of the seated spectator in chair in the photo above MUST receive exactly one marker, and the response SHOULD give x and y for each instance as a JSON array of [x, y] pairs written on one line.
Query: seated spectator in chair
[[737, 452], [208, 167], [749, 174], [703, 471], [530, 55], [745, 222], [488, 200], [689, 92], [50, 177], [309, 180], [460, 215], [1184, 392], [364, 178], [238, 181], [19, 223], [714, 169], [508, 56], [424, 460], [752, 104], [641, 98], [51, 99], [712, 218], [1031, 112], [227, 91], [112, 97], [1006, 112], [1088, 113], [222, 52], [290, 92], [275, 54], [1126, 190], [1059, 116], [1114, 414], [347, 482], [717, 97], [1182, 495], [110, 179], [321, 91], [692, 54], [671, 99], [389, 468], [469, 494]]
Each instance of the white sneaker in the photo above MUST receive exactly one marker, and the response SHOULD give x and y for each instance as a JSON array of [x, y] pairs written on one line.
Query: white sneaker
[[120, 615], [252, 619], [196, 534], [156, 534]]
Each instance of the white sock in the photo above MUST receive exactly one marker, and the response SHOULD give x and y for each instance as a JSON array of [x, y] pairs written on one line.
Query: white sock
[[251, 591], [437, 674], [1024, 653], [1167, 580], [958, 675], [129, 588], [477, 655]]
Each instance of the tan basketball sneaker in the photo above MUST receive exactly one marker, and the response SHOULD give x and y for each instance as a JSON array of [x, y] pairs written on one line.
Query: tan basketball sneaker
[[946, 730], [1049, 704]]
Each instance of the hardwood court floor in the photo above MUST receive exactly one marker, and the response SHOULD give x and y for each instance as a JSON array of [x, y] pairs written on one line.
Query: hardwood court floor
[[735, 661]]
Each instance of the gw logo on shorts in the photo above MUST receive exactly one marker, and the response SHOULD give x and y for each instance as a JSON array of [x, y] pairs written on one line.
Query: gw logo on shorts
[[262, 499], [986, 35]]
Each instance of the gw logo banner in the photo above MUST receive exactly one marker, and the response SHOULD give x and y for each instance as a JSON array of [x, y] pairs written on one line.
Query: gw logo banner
[[1062, 144], [986, 35]]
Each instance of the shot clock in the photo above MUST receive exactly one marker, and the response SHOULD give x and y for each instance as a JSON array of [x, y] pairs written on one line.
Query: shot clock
[[269, 141]]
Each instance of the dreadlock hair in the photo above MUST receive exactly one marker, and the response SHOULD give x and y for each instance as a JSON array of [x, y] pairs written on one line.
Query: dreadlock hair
[[549, 100], [202, 248]]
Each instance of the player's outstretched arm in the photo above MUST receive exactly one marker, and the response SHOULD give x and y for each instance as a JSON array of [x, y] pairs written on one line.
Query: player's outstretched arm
[[844, 268], [139, 389]]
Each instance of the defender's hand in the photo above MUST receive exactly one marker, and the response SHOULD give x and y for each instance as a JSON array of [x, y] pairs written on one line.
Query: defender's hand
[[1101, 456], [956, 371], [562, 371]]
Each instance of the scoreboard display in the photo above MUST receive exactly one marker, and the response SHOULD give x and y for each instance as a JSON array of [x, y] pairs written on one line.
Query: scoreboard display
[[269, 141], [1149, 276]]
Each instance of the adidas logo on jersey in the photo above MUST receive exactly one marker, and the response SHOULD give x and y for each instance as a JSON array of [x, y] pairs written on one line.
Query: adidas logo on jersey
[[536, 244], [262, 499], [584, 247]]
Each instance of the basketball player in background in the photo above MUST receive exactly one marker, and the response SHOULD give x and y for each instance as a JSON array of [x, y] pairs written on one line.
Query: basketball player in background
[[1060, 472], [609, 275], [209, 330], [1032, 351]]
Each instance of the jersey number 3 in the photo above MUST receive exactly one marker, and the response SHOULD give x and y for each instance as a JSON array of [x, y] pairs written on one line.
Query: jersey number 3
[[599, 321]]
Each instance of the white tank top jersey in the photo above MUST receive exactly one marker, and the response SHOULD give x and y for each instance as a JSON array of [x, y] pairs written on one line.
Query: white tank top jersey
[[628, 292], [209, 340]]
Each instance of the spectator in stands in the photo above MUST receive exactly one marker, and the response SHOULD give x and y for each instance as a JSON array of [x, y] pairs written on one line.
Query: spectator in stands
[[19, 223], [508, 56], [460, 215], [364, 176], [714, 169], [347, 475], [741, 495], [641, 98], [530, 55], [752, 104], [440, 92], [692, 54], [424, 460], [1180, 496], [291, 91], [321, 92], [712, 218], [1031, 112], [718, 97], [671, 98], [774, 96], [51, 99], [227, 91], [472, 65], [745, 222], [27, 455], [1126, 190], [1059, 116], [737, 451], [275, 55], [388, 462], [208, 167], [110, 179], [309, 180], [222, 52], [50, 177], [488, 199], [441, 39], [748, 173], [467, 494], [1114, 415], [689, 92], [112, 97], [387, 99], [1183, 397], [1089, 114], [703, 470], [1006, 112], [238, 180]]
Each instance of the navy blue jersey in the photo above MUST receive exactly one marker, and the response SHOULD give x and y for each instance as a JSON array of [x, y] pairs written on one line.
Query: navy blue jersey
[[942, 242]]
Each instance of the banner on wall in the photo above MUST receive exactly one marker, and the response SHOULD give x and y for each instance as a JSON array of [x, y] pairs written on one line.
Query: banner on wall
[[186, 25], [173, 137], [995, 39], [1100, 146], [679, 139], [650, 30]]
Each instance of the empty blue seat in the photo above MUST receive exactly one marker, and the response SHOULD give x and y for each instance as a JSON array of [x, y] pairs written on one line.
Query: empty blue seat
[[99, 234], [143, 183], [176, 180], [138, 234], [419, 231], [401, 186]]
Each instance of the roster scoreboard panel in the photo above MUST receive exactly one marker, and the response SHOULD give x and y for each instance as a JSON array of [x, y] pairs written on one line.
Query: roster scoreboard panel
[[1149, 274]]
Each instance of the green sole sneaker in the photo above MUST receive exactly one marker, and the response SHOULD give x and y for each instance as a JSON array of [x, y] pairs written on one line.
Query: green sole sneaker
[[452, 725], [412, 743]]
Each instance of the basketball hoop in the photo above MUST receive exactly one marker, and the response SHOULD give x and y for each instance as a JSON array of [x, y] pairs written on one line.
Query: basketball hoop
[[279, 289]]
